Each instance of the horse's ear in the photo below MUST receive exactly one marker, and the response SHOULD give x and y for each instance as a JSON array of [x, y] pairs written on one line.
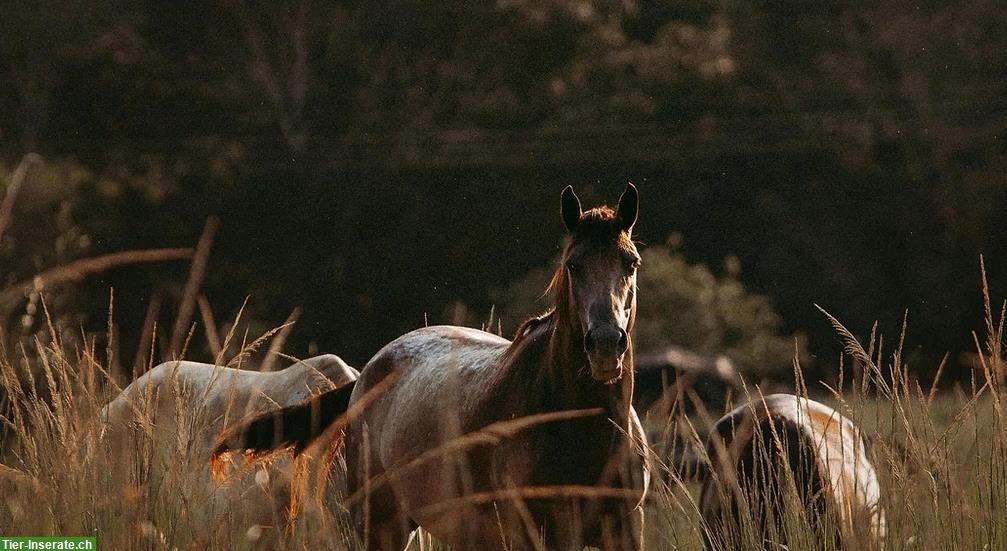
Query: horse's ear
[[571, 209], [629, 205]]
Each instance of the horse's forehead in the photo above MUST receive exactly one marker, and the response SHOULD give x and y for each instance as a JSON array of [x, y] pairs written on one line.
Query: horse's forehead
[[613, 245]]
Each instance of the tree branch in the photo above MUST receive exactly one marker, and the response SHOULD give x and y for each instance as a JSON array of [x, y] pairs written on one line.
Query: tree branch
[[79, 269]]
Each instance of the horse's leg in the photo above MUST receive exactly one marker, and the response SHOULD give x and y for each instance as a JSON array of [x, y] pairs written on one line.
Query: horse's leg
[[622, 531], [381, 523]]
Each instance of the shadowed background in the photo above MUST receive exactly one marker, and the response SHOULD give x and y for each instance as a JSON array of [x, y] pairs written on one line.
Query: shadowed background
[[382, 165]]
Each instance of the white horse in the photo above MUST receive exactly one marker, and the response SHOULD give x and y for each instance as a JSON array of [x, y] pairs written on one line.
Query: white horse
[[163, 426], [759, 449]]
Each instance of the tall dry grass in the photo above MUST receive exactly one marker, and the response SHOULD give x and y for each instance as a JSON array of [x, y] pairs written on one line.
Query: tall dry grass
[[147, 484], [941, 457]]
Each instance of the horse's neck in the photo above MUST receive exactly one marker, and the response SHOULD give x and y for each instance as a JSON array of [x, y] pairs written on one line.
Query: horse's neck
[[542, 373], [551, 364]]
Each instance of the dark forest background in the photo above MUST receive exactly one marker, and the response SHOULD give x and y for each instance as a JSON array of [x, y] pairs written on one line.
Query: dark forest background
[[386, 164]]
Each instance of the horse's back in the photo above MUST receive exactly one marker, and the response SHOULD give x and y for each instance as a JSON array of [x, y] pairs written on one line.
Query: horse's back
[[332, 367], [148, 390], [426, 364], [215, 388], [465, 346], [424, 374]]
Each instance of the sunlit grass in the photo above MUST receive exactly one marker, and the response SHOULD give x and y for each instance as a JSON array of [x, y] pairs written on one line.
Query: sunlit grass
[[941, 458]]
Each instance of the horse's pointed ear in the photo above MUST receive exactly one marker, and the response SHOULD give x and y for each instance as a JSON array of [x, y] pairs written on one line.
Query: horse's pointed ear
[[571, 209], [629, 205]]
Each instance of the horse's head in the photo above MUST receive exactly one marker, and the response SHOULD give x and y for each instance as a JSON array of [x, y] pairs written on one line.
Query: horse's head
[[596, 283]]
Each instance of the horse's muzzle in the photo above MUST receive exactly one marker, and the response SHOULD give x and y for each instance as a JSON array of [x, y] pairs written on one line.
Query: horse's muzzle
[[605, 347], [606, 371]]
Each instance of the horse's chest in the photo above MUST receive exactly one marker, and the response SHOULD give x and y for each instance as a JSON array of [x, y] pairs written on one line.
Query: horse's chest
[[512, 464], [552, 457]]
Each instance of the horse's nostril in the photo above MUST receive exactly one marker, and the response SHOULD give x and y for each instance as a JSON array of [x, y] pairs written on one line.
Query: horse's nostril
[[623, 340], [589, 343]]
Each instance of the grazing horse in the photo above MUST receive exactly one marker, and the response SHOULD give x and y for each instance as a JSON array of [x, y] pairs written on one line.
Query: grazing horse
[[488, 443], [167, 421], [783, 450]]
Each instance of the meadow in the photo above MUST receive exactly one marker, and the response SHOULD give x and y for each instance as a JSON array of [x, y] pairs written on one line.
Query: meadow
[[941, 455], [372, 167]]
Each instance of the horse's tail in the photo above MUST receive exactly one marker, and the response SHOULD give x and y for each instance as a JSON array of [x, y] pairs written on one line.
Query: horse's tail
[[293, 427]]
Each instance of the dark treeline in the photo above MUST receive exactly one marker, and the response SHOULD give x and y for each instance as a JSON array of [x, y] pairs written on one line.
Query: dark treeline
[[379, 163]]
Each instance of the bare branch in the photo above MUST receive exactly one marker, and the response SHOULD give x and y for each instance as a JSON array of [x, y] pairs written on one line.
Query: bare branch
[[16, 180], [209, 325], [78, 270], [196, 275], [276, 347]]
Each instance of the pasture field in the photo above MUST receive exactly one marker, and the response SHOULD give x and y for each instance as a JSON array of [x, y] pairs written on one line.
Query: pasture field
[[941, 457]]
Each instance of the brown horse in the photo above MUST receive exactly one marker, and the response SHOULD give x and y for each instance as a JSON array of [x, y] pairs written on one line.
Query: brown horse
[[783, 458], [464, 433]]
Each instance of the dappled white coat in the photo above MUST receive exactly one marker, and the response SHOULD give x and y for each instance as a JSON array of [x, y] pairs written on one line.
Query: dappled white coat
[[847, 476], [163, 427]]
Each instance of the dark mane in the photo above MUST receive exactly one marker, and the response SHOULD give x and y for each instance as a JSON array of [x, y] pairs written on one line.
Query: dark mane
[[530, 324], [529, 330]]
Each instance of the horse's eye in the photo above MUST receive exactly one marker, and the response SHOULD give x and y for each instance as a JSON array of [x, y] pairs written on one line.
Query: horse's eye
[[631, 264], [574, 267]]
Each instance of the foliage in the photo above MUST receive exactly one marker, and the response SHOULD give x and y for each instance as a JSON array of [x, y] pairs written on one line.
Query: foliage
[[366, 158], [687, 305], [54, 236]]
